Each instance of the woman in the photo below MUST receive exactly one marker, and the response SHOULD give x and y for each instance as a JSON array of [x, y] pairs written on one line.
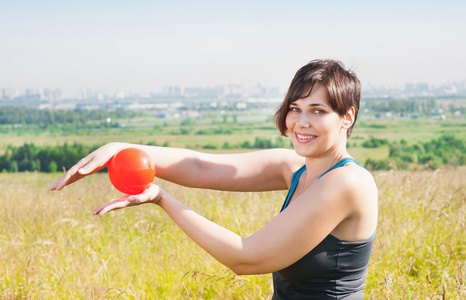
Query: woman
[[320, 243]]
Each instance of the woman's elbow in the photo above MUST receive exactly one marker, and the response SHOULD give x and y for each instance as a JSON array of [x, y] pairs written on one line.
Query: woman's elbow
[[247, 269], [240, 270], [251, 260]]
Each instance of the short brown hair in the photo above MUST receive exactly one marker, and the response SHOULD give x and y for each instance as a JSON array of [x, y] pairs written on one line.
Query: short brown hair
[[342, 85]]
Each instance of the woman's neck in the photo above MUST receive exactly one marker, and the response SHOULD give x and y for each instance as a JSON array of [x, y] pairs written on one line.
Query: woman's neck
[[315, 166]]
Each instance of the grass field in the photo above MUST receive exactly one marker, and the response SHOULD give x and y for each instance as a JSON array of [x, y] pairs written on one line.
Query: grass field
[[51, 247]]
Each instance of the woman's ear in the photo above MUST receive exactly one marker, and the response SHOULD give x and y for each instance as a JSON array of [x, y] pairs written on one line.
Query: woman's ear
[[348, 118]]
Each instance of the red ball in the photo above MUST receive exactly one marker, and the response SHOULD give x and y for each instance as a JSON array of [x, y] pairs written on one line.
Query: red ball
[[131, 171]]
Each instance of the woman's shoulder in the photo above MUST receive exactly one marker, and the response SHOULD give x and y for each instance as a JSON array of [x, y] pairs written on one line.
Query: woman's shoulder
[[353, 172], [353, 190], [351, 179]]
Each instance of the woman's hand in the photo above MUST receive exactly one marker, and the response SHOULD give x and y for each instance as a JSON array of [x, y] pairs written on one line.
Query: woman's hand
[[90, 164], [153, 194]]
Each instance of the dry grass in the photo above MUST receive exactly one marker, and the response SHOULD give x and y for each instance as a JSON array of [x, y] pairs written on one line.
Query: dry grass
[[51, 247], [420, 244]]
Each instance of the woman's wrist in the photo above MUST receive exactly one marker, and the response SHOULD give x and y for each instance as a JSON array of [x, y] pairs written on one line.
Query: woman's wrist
[[159, 197]]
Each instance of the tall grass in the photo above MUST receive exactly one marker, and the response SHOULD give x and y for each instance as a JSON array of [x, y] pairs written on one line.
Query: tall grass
[[51, 247], [420, 249]]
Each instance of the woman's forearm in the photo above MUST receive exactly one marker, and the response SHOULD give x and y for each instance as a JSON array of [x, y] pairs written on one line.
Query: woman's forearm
[[223, 244]]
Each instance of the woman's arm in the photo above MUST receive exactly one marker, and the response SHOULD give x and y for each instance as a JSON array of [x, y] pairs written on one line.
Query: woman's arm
[[280, 243], [253, 171], [314, 214]]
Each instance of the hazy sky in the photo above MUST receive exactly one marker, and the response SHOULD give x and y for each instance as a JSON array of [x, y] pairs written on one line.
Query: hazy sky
[[141, 46]]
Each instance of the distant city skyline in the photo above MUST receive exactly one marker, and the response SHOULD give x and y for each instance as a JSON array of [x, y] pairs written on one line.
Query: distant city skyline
[[229, 92], [144, 46]]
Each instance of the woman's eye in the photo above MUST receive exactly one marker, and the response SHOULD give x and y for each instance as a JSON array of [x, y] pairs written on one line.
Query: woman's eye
[[295, 109], [319, 111]]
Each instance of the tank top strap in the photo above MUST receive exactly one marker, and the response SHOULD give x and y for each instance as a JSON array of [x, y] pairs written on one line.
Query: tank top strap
[[294, 184], [300, 171], [339, 164]]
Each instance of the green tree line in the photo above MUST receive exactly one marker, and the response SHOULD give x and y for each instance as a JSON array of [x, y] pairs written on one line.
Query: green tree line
[[402, 106], [259, 143], [45, 118], [445, 150], [30, 157]]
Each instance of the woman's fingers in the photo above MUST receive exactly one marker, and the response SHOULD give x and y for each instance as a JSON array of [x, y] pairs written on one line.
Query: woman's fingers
[[68, 178], [114, 205], [71, 175], [95, 163], [150, 195], [90, 164]]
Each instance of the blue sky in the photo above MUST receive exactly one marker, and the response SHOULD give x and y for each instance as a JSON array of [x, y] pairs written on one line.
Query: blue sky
[[141, 46]]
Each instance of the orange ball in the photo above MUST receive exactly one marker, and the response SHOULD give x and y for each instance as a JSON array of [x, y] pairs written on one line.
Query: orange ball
[[131, 171]]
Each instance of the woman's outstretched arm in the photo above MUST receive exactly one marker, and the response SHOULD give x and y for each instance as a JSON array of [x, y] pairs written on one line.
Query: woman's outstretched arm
[[252, 171]]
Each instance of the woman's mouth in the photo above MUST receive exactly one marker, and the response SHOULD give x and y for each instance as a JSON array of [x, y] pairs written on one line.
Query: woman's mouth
[[304, 138]]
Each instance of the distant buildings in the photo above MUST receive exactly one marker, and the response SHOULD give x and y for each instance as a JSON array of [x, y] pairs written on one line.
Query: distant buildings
[[411, 90], [30, 97], [213, 97]]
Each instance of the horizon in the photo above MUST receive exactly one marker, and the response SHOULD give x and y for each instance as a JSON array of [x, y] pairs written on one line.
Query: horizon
[[442, 89], [143, 46]]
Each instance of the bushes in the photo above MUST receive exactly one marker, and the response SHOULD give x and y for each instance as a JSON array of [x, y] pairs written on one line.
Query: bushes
[[29, 157], [264, 143], [44, 119], [377, 164], [216, 130], [445, 150], [374, 143], [259, 143]]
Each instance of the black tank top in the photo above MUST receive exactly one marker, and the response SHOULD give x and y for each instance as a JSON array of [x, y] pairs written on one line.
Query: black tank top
[[334, 269]]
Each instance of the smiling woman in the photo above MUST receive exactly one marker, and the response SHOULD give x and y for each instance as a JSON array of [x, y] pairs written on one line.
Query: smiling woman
[[310, 120], [319, 245], [343, 90]]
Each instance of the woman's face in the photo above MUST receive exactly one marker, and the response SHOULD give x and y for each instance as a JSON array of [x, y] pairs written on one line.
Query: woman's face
[[315, 129]]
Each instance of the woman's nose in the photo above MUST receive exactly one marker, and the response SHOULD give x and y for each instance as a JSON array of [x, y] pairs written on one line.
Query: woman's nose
[[303, 120]]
